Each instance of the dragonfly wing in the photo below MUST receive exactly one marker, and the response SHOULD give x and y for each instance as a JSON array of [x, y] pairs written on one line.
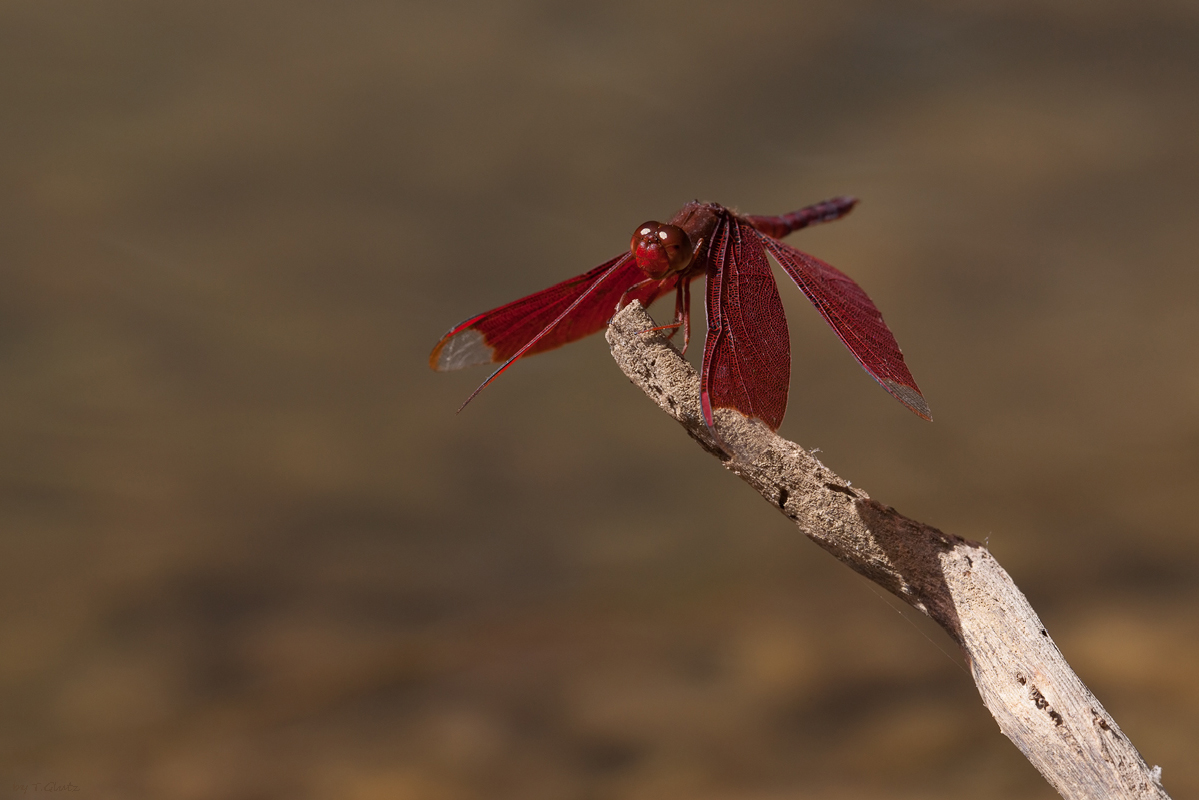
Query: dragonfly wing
[[497, 335], [747, 354], [856, 320]]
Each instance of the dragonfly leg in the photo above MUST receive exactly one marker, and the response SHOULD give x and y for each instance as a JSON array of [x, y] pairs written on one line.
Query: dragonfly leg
[[683, 311], [674, 326], [682, 315], [624, 297]]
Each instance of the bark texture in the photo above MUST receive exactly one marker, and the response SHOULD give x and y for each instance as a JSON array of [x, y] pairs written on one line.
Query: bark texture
[[1025, 682]]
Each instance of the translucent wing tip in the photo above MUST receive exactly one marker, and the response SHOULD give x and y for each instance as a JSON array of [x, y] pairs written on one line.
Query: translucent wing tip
[[465, 348], [910, 397]]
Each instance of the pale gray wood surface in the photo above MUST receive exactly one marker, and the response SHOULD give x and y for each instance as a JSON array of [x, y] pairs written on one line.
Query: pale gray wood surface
[[1038, 701]]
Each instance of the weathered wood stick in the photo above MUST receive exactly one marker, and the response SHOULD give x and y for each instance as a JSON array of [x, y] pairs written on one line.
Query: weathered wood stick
[[1038, 701]]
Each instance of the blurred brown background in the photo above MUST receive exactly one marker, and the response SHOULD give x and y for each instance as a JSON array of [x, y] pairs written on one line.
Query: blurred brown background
[[250, 551]]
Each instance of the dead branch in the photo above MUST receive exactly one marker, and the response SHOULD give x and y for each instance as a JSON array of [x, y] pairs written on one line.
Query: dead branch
[[1038, 701]]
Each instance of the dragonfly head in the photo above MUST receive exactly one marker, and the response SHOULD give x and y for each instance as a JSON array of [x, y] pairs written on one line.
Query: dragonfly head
[[661, 249]]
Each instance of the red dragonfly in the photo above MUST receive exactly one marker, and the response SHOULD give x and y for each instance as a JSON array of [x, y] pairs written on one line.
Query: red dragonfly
[[747, 353]]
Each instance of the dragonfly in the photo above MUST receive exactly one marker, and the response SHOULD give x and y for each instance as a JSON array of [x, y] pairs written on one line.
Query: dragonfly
[[747, 349]]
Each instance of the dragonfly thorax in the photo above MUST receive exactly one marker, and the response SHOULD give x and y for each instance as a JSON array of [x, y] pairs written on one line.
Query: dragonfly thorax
[[661, 249]]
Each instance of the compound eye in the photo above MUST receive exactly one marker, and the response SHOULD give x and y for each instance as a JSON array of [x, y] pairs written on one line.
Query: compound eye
[[677, 244], [661, 249], [646, 233]]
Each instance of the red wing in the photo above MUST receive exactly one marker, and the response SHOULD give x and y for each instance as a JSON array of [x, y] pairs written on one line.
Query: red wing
[[497, 335], [854, 317], [747, 355]]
